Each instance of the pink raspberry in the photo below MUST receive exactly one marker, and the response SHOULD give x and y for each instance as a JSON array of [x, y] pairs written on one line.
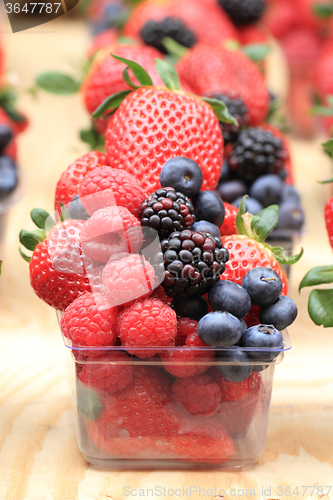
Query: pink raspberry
[[106, 186], [185, 362], [128, 279], [148, 323], [199, 395], [110, 372], [111, 231], [90, 321]]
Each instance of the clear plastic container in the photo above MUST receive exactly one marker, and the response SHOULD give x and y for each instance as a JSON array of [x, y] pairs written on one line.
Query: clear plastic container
[[143, 426]]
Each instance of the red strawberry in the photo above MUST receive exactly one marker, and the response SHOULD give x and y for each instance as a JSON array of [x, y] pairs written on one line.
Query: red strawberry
[[329, 219], [106, 74], [215, 70], [323, 71], [229, 224], [102, 40], [70, 180], [301, 47], [154, 124], [281, 18], [257, 33]]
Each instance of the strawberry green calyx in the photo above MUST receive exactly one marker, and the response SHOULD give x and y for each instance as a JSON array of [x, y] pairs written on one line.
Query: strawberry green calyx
[[30, 239], [323, 10], [221, 110], [258, 227]]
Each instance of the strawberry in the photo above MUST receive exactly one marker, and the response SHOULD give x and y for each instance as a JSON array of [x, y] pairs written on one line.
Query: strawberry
[[301, 47], [70, 180], [329, 219], [102, 40], [229, 224], [216, 70], [257, 33], [323, 71], [281, 18]]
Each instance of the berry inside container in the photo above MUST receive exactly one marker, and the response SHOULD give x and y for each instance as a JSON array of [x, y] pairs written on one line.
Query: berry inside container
[[178, 408]]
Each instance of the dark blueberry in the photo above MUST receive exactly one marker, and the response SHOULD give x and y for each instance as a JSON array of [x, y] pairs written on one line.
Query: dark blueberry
[[281, 314], [267, 189], [290, 194], [263, 285], [243, 12], [262, 337], [282, 173], [259, 368], [206, 227], [251, 205], [154, 32], [191, 307], [231, 297], [231, 190], [209, 206], [240, 367], [225, 172], [291, 216], [243, 325], [8, 177], [5, 137], [219, 329], [183, 174], [76, 210]]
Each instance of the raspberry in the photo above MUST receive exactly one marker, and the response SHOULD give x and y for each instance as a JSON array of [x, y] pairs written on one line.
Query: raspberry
[[229, 224], [109, 232], [185, 327], [106, 186], [184, 362], [193, 340], [128, 279], [235, 391], [108, 373], [148, 323], [166, 211], [64, 245], [69, 182], [199, 395], [160, 294], [90, 321]]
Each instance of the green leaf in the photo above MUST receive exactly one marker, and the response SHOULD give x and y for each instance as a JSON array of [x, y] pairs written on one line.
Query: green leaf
[[30, 239], [320, 307], [25, 257], [327, 181], [92, 137], [111, 102], [168, 74], [221, 110], [282, 257], [127, 79], [323, 10], [265, 221], [140, 74], [57, 83], [88, 402], [256, 51], [39, 216], [328, 147], [321, 111], [240, 224], [174, 48], [317, 276]]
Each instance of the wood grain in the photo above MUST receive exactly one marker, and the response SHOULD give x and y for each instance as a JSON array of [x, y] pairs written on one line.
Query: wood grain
[[39, 458]]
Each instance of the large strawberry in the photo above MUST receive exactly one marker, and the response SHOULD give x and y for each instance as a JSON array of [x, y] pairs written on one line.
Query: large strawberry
[[155, 123], [215, 70], [323, 71], [56, 265], [329, 219]]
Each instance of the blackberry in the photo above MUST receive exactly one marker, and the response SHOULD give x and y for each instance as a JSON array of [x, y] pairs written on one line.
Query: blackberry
[[256, 152], [154, 32], [167, 210], [193, 262], [243, 12], [238, 109]]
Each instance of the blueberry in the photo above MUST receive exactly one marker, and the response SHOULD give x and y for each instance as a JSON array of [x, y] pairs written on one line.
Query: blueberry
[[263, 285], [191, 307], [267, 189], [252, 205], [183, 174], [291, 216], [263, 337], [259, 368], [289, 193], [209, 206], [240, 367], [281, 314], [76, 209], [231, 190], [5, 136], [219, 329], [8, 176], [243, 325], [282, 173], [206, 227], [226, 172], [231, 297]]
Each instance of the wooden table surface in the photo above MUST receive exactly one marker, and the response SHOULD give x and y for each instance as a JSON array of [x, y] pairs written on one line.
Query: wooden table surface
[[39, 458]]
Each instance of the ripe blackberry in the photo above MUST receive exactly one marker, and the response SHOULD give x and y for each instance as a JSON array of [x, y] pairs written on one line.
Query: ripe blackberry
[[167, 210], [243, 12], [193, 263], [153, 33], [256, 152], [238, 109]]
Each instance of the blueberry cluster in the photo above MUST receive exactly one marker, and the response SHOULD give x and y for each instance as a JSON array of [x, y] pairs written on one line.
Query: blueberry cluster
[[154, 32], [8, 170], [225, 326]]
